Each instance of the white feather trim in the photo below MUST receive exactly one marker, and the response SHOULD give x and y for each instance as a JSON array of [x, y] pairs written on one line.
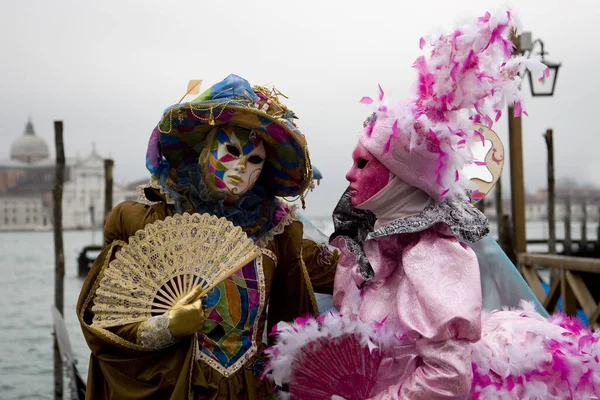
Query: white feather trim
[[291, 337], [522, 355]]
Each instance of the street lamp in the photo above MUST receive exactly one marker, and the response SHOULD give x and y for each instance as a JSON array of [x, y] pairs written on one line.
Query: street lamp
[[546, 85]]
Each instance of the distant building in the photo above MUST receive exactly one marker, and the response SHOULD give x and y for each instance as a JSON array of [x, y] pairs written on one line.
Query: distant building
[[536, 206], [29, 148], [27, 182]]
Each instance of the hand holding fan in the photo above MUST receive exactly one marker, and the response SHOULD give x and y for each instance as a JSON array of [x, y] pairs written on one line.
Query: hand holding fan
[[184, 256], [326, 357]]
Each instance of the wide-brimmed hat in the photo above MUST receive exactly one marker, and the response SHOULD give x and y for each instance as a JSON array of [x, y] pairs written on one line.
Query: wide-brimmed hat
[[181, 133]]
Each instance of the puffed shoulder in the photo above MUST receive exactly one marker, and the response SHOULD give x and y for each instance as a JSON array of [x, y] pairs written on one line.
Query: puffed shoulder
[[442, 284]]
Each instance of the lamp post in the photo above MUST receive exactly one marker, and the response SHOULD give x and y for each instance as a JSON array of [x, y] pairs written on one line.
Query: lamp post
[[544, 87]]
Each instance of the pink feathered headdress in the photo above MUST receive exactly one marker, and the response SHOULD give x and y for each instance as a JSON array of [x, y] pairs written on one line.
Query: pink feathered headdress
[[469, 78]]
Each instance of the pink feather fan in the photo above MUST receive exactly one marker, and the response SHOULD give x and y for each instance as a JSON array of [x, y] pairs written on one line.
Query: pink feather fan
[[324, 357]]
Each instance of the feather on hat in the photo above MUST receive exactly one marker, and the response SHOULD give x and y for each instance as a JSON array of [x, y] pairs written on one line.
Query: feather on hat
[[469, 77]]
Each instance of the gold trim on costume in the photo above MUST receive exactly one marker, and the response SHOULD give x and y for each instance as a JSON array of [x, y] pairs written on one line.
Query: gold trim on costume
[[309, 286], [138, 334], [269, 254], [190, 391]]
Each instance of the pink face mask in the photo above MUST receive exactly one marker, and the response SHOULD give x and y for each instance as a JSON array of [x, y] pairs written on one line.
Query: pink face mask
[[367, 175]]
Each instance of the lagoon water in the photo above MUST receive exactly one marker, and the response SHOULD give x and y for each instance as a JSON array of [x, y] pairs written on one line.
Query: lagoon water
[[26, 294]]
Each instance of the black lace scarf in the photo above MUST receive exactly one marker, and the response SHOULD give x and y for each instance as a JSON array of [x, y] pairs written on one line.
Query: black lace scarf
[[356, 226]]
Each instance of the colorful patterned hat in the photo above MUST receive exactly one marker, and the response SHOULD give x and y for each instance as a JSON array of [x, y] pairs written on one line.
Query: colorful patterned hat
[[469, 77], [180, 135]]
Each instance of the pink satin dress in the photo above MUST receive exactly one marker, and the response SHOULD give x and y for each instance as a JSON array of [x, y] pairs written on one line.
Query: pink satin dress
[[426, 288]]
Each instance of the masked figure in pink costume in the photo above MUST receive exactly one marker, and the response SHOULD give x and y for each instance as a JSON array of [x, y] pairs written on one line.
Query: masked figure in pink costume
[[408, 285], [422, 280]]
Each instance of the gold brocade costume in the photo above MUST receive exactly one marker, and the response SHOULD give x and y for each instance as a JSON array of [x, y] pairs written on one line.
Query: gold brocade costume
[[122, 369]]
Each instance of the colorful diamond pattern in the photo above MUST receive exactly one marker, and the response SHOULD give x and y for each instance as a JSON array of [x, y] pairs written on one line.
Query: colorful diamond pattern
[[227, 333]]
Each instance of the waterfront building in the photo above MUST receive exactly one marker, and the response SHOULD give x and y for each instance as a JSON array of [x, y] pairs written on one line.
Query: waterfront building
[[27, 182]]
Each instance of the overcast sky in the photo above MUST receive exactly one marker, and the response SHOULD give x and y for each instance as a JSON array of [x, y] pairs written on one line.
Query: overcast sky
[[109, 68]]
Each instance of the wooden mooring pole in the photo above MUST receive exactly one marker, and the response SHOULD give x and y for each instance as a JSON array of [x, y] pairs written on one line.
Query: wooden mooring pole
[[108, 187], [584, 241], [568, 244], [499, 211], [480, 205], [517, 183], [59, 255], [598, 231], [508, 244], [551, 194]]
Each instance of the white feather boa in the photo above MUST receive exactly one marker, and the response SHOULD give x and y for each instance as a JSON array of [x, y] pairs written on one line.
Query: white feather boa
[[521, 354]]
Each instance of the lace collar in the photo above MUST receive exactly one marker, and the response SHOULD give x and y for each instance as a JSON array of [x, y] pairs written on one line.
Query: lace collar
[[466, 222], [151, 199]]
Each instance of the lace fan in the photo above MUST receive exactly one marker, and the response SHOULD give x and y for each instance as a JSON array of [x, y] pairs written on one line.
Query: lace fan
[[166, 261]]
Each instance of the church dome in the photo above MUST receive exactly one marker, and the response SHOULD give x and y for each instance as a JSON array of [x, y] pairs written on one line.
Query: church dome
[[29, 147]]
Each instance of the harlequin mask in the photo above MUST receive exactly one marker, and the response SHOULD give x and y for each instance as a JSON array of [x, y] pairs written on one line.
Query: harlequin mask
[[234, 160]]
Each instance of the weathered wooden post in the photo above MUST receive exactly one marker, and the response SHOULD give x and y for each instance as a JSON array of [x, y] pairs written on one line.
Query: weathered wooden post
[[517, 183], [584, 243], [569, 301], [598, 231], [59, 255], [108, 187], [568, 247], [551, 194], [508, 244], [481, 205], [499, 211]]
